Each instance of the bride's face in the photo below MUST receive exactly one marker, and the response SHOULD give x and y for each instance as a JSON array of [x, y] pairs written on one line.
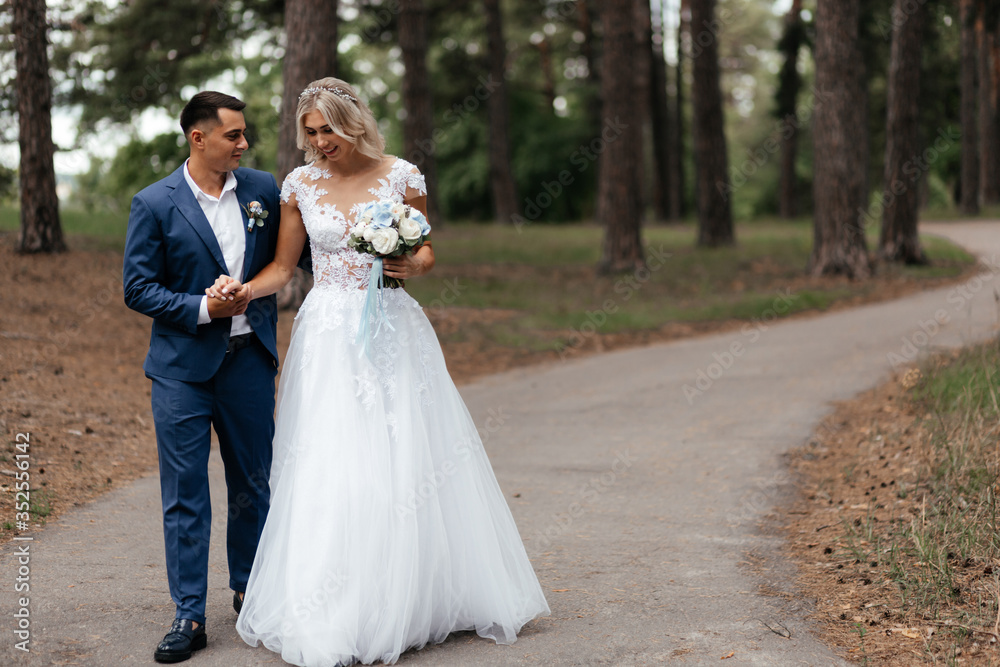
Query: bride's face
[[322, 137]]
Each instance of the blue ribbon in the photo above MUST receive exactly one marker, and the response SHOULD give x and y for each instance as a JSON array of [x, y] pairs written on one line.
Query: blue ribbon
[[374, 307]]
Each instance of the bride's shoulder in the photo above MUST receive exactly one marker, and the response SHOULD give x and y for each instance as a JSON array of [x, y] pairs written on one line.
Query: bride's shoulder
[[307, 172], [407, 174], [399, 165], [299, 178]]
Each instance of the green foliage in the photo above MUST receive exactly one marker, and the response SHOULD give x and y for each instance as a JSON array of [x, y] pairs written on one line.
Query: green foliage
[[554, 163], [463, 169], [542, 142], [8, 184], [124, 59], [112, 62], [137, 164], [261, 89]]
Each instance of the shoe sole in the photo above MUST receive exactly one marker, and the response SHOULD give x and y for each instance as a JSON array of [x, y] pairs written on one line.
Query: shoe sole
[[197, 644]]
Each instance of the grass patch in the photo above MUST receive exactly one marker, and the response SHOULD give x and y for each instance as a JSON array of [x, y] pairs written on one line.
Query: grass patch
[[949, 213], [546, 277], [41, 505], [83, 229], [966, 387], [933, 545]]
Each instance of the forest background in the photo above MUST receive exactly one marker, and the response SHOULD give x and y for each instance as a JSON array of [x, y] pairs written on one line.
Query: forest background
[[121, 71]]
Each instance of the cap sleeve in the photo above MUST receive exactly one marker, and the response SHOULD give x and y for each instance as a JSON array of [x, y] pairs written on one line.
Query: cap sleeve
[[290, 186], [415, 181]]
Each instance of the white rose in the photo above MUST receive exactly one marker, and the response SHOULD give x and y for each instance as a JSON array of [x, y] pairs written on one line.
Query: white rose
[[368, 234], [384, 240], [410, 230], [398, 210], [358, 232]]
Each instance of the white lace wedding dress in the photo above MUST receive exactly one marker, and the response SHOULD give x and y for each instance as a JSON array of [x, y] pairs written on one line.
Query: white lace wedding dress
[[387, 528]]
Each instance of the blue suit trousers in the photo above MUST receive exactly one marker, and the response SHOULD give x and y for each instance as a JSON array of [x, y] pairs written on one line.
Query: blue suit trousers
[[239, 402]]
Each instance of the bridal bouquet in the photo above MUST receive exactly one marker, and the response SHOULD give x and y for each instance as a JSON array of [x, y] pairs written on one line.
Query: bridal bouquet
[[388, 229], [384, 229]]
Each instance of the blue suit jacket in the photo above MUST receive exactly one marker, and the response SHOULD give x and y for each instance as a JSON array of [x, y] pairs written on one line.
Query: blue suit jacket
[[172, 255]]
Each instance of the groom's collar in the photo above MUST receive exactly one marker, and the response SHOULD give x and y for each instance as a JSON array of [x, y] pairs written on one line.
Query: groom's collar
[[176, 179], [200, 194]]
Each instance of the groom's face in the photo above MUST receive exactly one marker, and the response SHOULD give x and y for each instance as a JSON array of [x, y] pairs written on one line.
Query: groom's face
[[223, 143]]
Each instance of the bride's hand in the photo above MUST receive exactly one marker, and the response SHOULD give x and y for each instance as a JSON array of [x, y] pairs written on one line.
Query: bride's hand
[[223, 288], [409, 265]]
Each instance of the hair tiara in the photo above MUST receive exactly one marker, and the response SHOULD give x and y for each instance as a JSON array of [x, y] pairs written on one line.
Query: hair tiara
[[339, 92]]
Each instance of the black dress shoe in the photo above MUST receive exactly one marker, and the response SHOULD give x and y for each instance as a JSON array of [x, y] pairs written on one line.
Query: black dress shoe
[[237, 602], [181, 641]]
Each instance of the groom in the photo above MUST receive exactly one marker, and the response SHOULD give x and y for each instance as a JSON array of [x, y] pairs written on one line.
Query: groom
[[212, 361]]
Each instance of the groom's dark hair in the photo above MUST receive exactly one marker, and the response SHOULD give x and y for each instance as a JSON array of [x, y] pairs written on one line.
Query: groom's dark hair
[[205, 106]]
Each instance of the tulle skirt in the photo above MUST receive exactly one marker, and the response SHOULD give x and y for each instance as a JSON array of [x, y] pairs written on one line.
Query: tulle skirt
[[387, 527]]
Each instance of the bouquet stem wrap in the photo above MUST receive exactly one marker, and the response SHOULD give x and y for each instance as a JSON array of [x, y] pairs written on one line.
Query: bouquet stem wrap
[[374, 307]]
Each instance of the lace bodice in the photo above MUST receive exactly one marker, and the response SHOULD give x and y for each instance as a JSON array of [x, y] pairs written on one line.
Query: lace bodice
[[334, 264]]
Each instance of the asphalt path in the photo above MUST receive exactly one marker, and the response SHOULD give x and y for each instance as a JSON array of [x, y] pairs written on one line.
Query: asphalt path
[[645, 483]]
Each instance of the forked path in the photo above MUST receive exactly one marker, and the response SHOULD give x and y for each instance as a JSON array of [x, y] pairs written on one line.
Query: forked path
[[641, 481]]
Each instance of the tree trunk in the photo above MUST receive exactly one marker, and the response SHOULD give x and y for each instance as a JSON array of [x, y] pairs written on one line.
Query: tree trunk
[[993, 16], [619, 197], [505, 206], [715, 218], [586, 26], [839, 245], [659, 116], [788, 206], [868, 48], [969, 196], [548, 75], [989, 91], [899, 241], [310, 54], [788, 95], [40, 228], [586, 14], [641, 71], [418, 126], [678, 181]]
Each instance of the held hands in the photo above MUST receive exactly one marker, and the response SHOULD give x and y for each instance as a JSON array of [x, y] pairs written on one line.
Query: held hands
[[228, 297]]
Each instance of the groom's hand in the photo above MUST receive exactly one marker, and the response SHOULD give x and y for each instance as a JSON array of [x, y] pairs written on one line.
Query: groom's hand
[[225, 308], [227, 298]]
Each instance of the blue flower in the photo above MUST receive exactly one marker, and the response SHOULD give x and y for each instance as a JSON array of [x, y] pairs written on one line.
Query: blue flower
[[420, 219], [382, 215]]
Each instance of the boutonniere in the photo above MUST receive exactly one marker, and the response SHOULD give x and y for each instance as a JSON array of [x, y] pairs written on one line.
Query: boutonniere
[[256, 215]]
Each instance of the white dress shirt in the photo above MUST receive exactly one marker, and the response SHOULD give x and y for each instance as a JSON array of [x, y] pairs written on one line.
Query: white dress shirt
[[223, 213]]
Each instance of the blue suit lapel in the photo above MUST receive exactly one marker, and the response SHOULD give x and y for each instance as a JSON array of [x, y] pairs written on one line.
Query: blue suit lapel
[[245, 193], [187, 205]]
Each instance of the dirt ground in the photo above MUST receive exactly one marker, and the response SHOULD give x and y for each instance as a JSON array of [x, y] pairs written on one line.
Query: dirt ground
[[71, 378], [856, 471]]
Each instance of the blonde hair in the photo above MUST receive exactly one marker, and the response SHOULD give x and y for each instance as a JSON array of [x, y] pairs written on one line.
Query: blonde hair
[[346, 114]]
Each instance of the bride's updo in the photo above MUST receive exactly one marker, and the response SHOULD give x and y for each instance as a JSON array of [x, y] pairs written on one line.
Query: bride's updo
[[346, 114]]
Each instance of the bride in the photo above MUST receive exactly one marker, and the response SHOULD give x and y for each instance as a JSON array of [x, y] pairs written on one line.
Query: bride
[[387, 529]]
